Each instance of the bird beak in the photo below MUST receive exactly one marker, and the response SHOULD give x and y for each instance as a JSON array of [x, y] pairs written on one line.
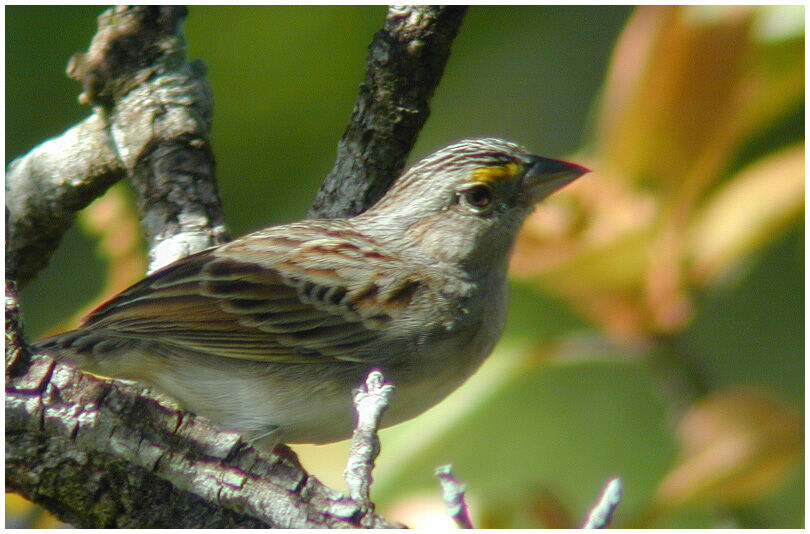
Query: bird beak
[[548, 175]]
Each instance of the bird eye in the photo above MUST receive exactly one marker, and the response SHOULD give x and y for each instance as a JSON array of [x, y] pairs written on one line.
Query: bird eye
[[479, 197]]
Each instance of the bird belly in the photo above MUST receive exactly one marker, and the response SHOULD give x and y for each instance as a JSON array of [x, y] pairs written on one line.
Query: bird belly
[[312, 403], [287, 403]]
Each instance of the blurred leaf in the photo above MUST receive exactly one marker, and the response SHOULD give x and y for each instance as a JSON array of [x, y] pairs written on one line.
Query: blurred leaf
[[776, 77], [687, 87], [594, 231], [550, 511], [735, 446], [113, 221], [751, 328], [747, 211], [662, 109]]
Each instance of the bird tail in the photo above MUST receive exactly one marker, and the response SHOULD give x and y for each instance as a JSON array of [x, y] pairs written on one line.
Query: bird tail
[[84, 350]]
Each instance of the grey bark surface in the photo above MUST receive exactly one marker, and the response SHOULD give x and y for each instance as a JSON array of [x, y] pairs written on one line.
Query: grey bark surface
[[102, 453], [151, 123], [405, 62], [48, 186]]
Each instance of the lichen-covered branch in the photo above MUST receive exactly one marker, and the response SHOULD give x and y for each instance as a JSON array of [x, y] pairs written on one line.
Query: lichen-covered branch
[[370, 402], [46, 187], [152, 115], [160, 110], [405, 63]]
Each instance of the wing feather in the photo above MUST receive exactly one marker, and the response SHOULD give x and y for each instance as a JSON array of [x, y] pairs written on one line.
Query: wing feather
[[268, 297]]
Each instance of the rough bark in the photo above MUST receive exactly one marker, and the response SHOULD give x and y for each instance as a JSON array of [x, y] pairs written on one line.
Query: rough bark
[[151, 122], [48, 186], [405, 62]]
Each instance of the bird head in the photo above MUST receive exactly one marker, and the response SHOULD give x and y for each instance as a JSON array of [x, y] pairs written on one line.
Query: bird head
[[465, 203]]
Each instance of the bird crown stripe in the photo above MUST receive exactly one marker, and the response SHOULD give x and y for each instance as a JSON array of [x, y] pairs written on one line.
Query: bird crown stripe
[[485, 153]]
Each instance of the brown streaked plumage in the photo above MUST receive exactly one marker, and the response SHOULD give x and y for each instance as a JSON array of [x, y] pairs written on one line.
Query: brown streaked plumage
[[268, 334]]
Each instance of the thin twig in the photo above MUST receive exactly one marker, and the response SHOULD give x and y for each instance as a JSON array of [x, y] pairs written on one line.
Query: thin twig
[[370, 402], [454, 500], [602, 512]]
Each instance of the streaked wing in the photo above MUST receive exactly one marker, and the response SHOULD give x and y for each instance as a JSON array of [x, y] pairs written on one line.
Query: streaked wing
[[269, 297]]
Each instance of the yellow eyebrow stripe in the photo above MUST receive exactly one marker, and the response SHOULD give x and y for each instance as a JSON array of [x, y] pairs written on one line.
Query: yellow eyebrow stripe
[[490, 175]]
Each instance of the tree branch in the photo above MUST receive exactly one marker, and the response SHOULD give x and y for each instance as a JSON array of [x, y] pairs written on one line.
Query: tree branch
[[454, 499], [602, 512], [159, 108], [404, 65], [152, 115], [46, 187], [370, 402]]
